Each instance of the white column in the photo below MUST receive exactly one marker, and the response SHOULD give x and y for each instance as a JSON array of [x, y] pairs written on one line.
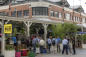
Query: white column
[[3, 39], [82, 34], [28, 24], [45, 32]]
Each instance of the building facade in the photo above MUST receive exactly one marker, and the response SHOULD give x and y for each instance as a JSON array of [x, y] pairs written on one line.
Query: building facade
[[43, 9], [37, 9]]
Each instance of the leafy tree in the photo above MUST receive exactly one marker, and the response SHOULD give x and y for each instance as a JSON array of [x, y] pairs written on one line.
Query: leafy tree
[[35, 28], [62, 30]]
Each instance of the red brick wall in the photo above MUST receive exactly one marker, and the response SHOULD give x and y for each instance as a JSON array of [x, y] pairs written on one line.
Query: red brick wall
[[50, 8]]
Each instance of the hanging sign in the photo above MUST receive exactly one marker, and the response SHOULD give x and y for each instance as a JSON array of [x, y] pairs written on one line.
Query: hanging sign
[[8, 28]]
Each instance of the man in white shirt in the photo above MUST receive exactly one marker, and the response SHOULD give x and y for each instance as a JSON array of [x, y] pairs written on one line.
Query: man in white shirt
[[41, 43], [65, 46]]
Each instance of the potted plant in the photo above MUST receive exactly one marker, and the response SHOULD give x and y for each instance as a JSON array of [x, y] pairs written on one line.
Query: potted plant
[[37, 48], [10, 51]]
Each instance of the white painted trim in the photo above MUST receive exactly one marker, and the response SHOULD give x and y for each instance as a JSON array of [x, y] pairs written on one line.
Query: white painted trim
[[20, 4], [4, 7], [40, 4], [68, 9], [39, 16], [83, 14]]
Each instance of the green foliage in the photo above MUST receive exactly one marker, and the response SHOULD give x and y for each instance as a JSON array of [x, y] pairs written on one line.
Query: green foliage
[[14, 32], [84, 37], [35, 27], [22, 31], [62, 30], [9, 47]]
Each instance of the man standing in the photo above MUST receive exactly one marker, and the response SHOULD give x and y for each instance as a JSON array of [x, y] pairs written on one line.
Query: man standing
[[65, 46], [15, 42], [41, 43], [49, 42], [73, 46], [53, 43], [58, 40], [35, 42]]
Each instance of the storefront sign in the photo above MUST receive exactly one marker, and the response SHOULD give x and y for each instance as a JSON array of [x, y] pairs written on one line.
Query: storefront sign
[[8, 28]]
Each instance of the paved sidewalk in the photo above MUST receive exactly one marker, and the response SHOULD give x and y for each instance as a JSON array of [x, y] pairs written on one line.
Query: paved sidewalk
[[80, 53]]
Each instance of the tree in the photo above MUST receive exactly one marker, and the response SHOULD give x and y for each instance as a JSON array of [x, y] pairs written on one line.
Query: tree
[[62, 30], [35, 28]]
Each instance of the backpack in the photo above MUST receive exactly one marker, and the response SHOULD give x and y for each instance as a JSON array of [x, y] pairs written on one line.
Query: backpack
[[53, 41], [49, 41]]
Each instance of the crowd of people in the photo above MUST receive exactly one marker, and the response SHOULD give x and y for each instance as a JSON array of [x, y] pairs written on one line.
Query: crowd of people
[[54, 43], [50, 45]]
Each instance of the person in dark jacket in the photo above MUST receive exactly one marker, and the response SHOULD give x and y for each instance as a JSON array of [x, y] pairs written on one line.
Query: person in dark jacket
[[73, 46]]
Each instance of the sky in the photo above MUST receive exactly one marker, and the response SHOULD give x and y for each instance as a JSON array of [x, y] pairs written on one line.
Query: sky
[[77, 2]]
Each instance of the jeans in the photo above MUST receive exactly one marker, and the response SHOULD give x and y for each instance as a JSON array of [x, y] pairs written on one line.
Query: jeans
[[74, 50], [58, 48], [41, 49], [49, 47], [65, 48], [34, 48]]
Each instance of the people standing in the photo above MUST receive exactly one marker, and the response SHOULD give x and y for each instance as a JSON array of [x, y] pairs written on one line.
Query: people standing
[[69, 45], [15, 42], [35, 42], [49, 42], [53, 43], [41, 43], [58, 41], [65, 45], [27, 42], [73, 46]]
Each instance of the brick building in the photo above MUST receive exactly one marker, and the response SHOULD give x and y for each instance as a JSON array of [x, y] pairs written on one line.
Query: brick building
[[43, 10]]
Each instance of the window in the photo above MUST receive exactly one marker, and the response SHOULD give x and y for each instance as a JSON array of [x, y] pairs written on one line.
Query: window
[[78, 19], [56, 14], [3, 13], [19, 13], [13, 14], [52, 13], [39, 11], [83, 20], [74, 19], [26, 12], [60, 15], [67, 16]]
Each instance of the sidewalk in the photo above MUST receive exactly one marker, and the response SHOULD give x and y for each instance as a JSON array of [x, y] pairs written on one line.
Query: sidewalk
[[80, 53]]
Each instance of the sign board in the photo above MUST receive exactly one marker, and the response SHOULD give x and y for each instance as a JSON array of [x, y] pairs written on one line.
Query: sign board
[[8, 28]]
